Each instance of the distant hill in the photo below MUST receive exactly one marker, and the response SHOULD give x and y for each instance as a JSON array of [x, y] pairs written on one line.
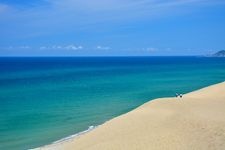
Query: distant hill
[[219, 54]]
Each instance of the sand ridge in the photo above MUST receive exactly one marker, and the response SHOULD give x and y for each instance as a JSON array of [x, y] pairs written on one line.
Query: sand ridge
[[194, 122]]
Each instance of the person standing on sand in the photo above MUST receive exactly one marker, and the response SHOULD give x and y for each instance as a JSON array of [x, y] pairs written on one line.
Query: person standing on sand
[[181, 95]]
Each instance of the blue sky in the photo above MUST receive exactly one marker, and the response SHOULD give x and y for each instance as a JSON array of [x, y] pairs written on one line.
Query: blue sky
[[111, 27]]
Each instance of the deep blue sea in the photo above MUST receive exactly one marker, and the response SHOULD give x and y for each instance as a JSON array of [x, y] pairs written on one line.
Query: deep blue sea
[[43, 100]]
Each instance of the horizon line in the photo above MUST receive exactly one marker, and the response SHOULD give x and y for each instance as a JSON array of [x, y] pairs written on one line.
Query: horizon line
[[113, 56]]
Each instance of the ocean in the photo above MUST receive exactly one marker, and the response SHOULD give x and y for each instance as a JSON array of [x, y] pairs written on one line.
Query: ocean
[[43, 100]]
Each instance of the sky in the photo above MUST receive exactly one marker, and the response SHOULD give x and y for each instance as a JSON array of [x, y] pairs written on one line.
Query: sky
[[111, 27]]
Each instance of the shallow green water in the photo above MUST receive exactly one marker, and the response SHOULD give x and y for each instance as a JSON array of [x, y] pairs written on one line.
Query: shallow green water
[[46, 99]]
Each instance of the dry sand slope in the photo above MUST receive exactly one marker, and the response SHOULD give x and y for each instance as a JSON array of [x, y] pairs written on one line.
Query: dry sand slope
[[194, 122]]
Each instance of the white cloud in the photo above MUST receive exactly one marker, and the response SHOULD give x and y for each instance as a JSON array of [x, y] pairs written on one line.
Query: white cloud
[[73, 47], [103, 48], [60, 47], [69, 16], [109, 5], [43, 48], [16, 47], [4, 8], [150, 49], [24, 47]]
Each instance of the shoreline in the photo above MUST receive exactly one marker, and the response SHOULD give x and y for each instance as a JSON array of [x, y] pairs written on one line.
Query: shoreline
[[62, 143], [68, 138]]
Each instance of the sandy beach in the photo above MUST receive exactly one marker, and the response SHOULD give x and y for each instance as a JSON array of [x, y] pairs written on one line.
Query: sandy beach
[[194, 122]]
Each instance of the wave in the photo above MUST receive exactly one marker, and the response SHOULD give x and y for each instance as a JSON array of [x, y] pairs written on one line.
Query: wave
[[71, 137], [90, 128]]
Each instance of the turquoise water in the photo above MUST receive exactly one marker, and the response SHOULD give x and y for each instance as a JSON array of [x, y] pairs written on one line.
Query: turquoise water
[[46, 99]]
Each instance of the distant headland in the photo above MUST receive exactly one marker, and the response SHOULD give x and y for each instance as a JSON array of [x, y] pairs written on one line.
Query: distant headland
[[219, 54]]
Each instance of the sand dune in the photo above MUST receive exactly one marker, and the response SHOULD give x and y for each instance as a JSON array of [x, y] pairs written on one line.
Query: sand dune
[[194, 122]]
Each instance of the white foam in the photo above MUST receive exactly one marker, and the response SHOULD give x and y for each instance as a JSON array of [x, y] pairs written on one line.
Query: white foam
[[90, 128], [71, 137]]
